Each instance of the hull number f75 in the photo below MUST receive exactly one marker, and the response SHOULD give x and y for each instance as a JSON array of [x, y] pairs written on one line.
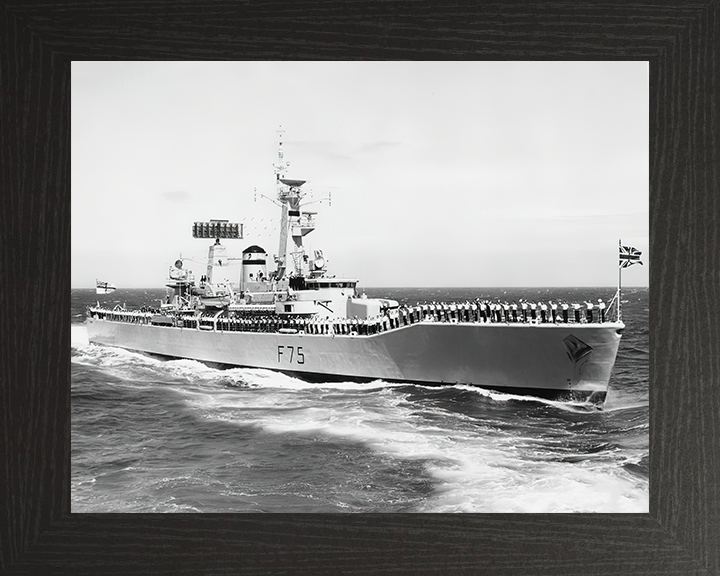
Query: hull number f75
[[292, 353]]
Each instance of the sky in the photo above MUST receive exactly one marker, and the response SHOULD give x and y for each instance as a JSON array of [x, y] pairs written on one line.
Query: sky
[[440, 174]]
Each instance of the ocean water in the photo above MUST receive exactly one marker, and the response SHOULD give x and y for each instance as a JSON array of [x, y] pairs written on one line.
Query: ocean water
[[157, 435]]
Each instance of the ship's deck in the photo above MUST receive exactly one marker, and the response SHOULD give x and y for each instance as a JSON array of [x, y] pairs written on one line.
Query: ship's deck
[[261, 319]]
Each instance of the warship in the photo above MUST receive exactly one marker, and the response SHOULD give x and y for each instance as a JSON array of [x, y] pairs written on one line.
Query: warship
[[300, 319]]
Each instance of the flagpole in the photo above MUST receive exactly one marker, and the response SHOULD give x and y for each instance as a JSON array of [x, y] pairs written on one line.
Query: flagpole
[[627, 256], [619, 290]]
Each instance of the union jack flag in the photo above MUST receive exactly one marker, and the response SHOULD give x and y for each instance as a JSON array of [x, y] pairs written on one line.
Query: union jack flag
[[629, 256]]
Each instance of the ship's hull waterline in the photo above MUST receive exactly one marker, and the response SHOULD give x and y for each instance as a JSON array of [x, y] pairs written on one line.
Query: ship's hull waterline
[[563, 361]]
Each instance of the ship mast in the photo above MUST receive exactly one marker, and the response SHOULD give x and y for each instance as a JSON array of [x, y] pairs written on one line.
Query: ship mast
[[280, 169], [289, 195]]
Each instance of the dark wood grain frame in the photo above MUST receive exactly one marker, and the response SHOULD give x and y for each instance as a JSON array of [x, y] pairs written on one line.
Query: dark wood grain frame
[[38, 534]]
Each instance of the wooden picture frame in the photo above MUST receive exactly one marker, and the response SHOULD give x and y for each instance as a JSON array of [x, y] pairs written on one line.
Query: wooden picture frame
[[38, 534]]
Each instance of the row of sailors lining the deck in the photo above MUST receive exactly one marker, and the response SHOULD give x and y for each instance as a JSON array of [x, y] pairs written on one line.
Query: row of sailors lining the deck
[[543, 312], [483, 311], [134, 317], [312, 325], [478, 311]]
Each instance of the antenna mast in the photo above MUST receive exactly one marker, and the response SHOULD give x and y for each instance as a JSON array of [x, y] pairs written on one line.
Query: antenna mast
[[289, 196], [280, 168]]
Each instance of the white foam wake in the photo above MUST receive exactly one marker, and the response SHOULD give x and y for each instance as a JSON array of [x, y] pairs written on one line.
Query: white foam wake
[[476, 468], [78, 336]]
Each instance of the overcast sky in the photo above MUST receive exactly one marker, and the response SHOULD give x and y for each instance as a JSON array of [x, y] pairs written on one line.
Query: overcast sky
[[457, 174]]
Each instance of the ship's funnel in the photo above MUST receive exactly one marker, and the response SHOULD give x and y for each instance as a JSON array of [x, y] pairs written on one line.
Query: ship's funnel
[[254, 266]]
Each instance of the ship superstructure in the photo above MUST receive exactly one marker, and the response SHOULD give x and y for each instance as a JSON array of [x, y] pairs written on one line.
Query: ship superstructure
[[301, 319]]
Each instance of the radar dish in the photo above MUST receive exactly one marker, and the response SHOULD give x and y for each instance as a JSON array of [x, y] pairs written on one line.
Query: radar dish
[[178, 263], [292, 182]]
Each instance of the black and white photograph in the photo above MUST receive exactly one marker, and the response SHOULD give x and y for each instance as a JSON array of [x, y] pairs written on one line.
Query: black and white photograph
[[311, 287]]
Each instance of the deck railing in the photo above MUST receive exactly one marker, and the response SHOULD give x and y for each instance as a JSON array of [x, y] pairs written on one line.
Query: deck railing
[[458, 313]]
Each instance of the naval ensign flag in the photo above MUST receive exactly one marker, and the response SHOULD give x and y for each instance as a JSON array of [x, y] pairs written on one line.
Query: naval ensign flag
[[629, 256]]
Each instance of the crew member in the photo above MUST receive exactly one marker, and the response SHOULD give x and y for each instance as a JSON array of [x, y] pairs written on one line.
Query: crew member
[[590, 307]]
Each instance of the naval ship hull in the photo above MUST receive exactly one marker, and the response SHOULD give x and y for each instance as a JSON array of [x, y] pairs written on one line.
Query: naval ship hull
[[563, 361]]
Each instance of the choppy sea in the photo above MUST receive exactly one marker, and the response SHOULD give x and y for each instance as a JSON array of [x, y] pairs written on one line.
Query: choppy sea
[[158, 435]]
